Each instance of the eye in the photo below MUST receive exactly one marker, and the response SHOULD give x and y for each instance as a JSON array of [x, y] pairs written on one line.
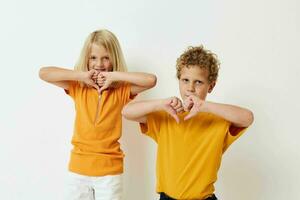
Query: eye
[[93, 57], [185, 80], [199, 82]]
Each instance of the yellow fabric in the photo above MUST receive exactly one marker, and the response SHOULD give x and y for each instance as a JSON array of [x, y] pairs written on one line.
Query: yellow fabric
[[189, 153], [96, 149]]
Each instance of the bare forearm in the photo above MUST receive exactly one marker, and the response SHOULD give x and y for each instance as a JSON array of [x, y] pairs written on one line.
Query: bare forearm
[[55, 74], [136, 78], [239, 117], [136, 110]]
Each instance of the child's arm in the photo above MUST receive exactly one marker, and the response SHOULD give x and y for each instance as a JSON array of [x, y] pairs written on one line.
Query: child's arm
[[239, 117], [61, 77], [139, 81], [138, 110]]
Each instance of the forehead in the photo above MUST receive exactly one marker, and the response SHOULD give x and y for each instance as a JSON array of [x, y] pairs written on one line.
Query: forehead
[[98, 50], [194, 72]]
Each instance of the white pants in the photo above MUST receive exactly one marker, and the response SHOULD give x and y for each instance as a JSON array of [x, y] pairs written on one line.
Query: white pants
[[80, 187]]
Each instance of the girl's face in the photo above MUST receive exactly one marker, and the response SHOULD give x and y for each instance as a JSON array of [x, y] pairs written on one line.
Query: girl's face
[[99, 59]]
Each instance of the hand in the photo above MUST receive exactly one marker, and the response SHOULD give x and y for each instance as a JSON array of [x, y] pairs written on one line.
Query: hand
[[104, 80], [88, 78], [172, 106], [193, 104], [95, 76]]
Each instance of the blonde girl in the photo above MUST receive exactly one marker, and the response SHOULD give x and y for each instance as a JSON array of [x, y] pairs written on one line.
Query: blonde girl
[[100, 87]]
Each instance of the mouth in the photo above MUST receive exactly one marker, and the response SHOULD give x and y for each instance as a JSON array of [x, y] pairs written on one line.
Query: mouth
[[101, 70], [187, 95], [194, 94]]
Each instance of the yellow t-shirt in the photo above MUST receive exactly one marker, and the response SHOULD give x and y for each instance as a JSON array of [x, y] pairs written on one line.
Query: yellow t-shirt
[[189, 153], [96, 149]]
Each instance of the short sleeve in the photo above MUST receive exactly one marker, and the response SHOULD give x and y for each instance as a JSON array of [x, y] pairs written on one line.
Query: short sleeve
[[124, 92], [232, 134], [72, 89], [153, 125]]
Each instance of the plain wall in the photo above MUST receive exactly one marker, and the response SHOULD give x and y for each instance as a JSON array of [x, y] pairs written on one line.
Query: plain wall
[[257, 44]]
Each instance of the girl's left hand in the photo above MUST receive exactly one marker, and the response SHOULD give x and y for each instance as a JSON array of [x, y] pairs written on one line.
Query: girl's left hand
[[104, 80]]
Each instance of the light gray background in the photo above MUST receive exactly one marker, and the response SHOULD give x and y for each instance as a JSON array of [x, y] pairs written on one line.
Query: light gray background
[[258, 46]]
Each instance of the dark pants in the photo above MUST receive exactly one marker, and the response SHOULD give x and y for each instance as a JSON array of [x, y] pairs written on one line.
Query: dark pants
[[163, 196]]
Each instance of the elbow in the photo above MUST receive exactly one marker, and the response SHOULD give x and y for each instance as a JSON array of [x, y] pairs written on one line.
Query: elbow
[[128, 112], [151, 80], [249, 118], [43, 73], [125, 112], [245, 120]]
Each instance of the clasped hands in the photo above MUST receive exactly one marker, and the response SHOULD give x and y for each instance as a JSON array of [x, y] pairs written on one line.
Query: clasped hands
[[99, 80], [192, 104]]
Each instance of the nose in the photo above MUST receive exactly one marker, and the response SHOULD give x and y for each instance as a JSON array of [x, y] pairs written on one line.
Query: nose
[[98, 64], [191, 87]]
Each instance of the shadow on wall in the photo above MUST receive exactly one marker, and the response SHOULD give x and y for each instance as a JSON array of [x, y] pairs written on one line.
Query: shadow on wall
[[261, 162], [139, 167]]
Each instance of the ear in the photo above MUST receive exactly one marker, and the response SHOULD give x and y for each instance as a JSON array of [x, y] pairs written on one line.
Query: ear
[[211, 86]]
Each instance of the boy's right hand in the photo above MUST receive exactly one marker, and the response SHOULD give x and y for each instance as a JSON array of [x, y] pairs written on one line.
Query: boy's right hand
[[173, 105], [88, 78]]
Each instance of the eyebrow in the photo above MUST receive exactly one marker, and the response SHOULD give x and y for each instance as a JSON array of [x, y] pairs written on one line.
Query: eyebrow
[[189, 79], [101, 57]]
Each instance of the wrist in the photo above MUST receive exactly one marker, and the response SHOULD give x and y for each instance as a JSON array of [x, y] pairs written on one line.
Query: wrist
[[158, 105], [80, 75], [114, 76]]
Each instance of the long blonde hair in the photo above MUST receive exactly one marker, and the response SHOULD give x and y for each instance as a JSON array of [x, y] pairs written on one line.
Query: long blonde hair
[[110, 42]]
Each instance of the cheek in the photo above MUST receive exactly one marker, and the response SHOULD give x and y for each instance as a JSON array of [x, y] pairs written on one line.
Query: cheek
[[201, 91], [181, 88], [90, 63], [107, 64]]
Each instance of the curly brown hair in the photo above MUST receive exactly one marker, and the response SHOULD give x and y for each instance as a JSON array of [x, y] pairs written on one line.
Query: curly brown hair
[[198, 56]]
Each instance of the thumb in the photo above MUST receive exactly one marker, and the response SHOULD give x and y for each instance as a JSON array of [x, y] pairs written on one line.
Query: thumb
[[173, 113], [96, 87], [191, 114], [102, 89], [188, 117]]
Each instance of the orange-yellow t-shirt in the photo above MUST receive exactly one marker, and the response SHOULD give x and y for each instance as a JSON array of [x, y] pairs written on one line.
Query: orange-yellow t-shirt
[[97, 129], [189, 153]]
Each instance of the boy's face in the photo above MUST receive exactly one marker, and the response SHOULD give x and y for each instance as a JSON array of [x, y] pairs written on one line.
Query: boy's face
[[194, 80], [99, 59]]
